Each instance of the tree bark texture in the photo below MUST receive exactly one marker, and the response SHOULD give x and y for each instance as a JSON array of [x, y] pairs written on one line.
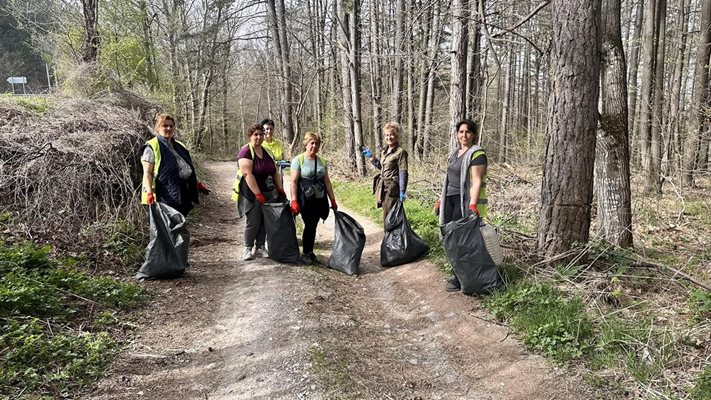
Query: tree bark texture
[[458, 67], [698, 118], [354, 69], [647, 89], [634, 66], [567, 186], [90, 9], [398, 63], [612, 163]]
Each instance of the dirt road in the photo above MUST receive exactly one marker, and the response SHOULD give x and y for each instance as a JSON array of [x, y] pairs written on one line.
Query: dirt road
[[232, 329]]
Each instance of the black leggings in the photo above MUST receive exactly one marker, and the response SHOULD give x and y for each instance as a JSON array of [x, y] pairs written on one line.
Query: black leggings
[[311, 213], [452, 208]]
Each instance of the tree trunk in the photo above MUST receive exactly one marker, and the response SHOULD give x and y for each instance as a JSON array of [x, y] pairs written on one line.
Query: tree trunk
[[698, 117], [398, 62], [376, 80], [612, 164], [91, 23], [434, 42], [647, 92], [634, 66], [673, 147], [344, 47], [506, 106], [474, 62], [567, 186], [354, 68], [654, 178], [458, 59]]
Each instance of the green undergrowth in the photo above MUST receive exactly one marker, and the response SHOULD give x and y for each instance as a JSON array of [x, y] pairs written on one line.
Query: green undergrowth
[[58, 322], [619, 321], [37, 104]]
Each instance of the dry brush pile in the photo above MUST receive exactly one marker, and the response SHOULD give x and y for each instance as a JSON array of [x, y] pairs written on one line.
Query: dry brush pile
[[68, 165]]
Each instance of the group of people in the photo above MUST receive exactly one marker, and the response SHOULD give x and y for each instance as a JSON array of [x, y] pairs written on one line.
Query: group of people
[[169, 177]]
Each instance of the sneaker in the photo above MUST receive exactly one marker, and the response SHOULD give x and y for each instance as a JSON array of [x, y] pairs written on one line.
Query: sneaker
[[260, 252], [247, 254], [453, 284]]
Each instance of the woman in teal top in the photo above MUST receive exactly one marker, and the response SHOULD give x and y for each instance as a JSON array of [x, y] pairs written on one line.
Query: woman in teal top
[[309, 186]]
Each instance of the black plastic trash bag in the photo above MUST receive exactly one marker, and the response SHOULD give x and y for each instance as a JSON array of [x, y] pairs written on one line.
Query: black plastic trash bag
[[167, 251], [348, 244], [401, 244], [281, 232], [466, 250]]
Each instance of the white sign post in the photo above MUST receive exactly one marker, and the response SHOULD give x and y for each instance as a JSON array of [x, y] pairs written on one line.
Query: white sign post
[[17, 79]]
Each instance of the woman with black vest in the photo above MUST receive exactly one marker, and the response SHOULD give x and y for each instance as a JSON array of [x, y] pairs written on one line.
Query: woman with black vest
[[464, 188], [168, 171]]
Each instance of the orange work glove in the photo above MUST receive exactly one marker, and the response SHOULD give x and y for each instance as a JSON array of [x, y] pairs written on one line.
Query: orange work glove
[[150, 198], [472, 208], [334, 205], [260, 198], [436, 207], [295, 207]]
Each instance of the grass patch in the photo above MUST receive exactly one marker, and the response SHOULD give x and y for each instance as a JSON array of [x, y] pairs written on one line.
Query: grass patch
[[118, 240], [333, 370], [37, 104], [56, 322], [547, 320], [702, 389]]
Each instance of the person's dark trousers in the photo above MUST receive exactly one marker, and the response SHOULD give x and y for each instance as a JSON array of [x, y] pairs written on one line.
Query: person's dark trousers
[[452, 212], [254, 231], [310, 214], [452, 208]]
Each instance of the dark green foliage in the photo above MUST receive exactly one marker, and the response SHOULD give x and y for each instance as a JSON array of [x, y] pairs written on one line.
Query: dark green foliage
[[547, 319], [702, 390], [700, 304], [53, 340]]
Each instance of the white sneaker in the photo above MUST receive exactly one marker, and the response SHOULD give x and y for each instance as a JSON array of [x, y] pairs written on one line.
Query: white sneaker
[[247, 254], [260, 252]]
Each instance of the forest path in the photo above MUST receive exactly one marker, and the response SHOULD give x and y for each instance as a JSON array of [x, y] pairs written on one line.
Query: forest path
[[233, 329]]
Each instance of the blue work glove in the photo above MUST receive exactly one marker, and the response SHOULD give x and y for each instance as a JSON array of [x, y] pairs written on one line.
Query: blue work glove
[[366, 152], [402, 196]]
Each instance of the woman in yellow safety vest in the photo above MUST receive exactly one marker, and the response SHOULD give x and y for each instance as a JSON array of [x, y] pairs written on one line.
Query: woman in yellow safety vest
[[168, 171], [274, 145], [464, 187]]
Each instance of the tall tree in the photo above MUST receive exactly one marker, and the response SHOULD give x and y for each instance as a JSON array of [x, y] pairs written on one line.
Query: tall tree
[[699, 117], [277, 23], [567, 187], [673, 162], [92, 40], [376, 80], [612, 163], [398, 62], [634, 46], [354, 70], [458, 67]]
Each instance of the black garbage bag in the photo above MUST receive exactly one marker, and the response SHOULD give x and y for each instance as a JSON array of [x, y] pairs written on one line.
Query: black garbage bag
[[401, 244], [466, 250], [167, 251], [348, 244], [281, 232]]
